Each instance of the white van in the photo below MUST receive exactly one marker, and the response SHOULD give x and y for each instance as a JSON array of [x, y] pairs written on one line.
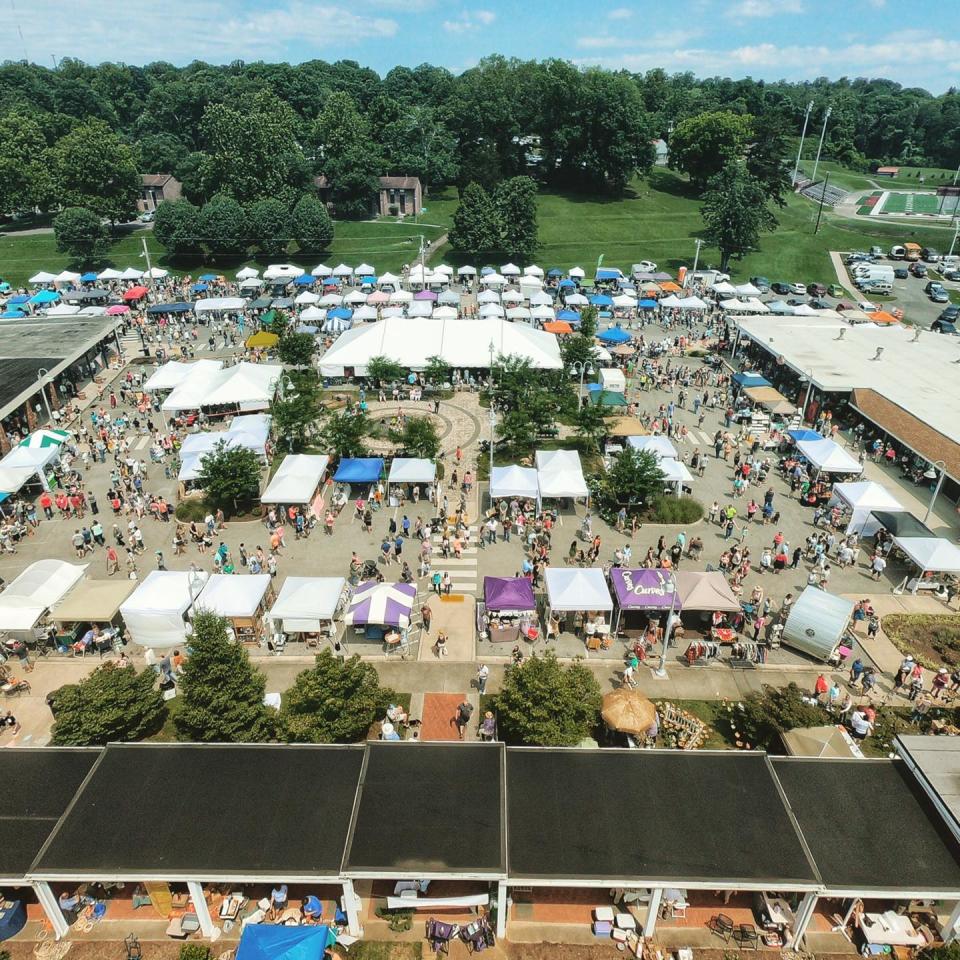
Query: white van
[[878, 286]]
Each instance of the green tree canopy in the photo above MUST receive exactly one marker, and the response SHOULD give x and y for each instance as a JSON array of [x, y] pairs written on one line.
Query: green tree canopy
[[336, 701], [230, 476], [25, 180], [735, 213], [382, 369], [221, 693], [111, 704], [161, 152], [545, 703], [476, 225], [703, 145], [633, 481], [295, 415], [177, 228], [418, 438], [516, 204], [344, 434], [81, 235], [269, 226], [437, 371], [765, 714], [223, 226], [311, 224], [297, 349]]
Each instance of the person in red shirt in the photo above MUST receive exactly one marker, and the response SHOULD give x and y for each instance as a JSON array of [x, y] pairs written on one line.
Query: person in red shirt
[[821, 686], [47, 504]]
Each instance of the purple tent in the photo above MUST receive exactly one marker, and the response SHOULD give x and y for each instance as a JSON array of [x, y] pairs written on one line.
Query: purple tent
[[386, 604], [425, 295], [643, 589], [508, 593]]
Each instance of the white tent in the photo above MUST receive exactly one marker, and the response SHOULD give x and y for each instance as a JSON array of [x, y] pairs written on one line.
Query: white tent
[[747, 290], [296, 480], [511, 296], [412, 470], [331, 300], [66, 276], [157, 273], [445, 269], [366, 312], [930, 554], [108, 274], [514, 481], [446, 313], [488, 296], [247, 273], [518, 313], [174, 372], [450, 298], [282, 271], [691, 303], [734, 305], [661, 446], [250, 431], [306, 298], [220, 305], [577, 589], [672, 301], [251, 283], [62, 310], [33, 592], [723, 287], [491, 310], [461, 342], [757, 306], [250, 386], [675, 472], [401, 296], [828, 457], [510, 270], [559, 474], [542, 312], [364, 270], [305, 603], [355, 297], [420, 308], [541, 299], [154, 612], [861, 499], [493, 280], [622, 300], [233, 597], [342, 270], [25, 464], [131, 273], [313, 315], [576, 273], [533, 271], [387, 280], [467, 271], [576, 300], [44, 277], [321, 270]]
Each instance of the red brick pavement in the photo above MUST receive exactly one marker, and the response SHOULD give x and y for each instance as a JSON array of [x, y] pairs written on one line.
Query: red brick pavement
[[439, 709]]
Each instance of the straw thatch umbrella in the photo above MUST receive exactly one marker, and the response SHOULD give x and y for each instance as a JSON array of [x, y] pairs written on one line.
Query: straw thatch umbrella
[[628, 711]]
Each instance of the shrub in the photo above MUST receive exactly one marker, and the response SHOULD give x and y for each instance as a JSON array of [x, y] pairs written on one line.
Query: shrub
[[666, 509], [194, 951], [399, 921], [190, 510]]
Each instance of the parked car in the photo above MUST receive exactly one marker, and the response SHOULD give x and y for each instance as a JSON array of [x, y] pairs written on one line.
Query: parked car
[[901, 273], [937, 293], [835, 290], [950, 314], [782, 288], [798, 288], [818, 304], [860, 256], [761, 283], [929, 254], [817, 289], [918, 269], [876, 252], [147, 217], [944, 326], [867, 306], [951, 275], [645, 266], [877, 287]]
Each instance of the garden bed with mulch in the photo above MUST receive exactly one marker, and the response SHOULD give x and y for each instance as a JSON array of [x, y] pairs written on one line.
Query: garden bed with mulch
[[933, 640]]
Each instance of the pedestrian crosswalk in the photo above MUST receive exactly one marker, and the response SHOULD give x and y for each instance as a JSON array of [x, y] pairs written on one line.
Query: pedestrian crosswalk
[[142, 443], [462, 569]]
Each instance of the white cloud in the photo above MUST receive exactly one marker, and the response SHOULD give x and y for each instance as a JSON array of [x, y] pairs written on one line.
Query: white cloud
[[486, 17], [764, 8], [620, 13], [655, 42], [469, 21]]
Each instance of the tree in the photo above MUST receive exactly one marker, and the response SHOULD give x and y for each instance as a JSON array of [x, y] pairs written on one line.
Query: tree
[[230, 476], [437, 371], [544, 703], [764, 714], [269, 226], [24, 178], [476, 226], [336, 701], [735, 213], [311, 224], [297, 349], [176, 227], [516, 203], [92, 167], [703, 145], [592, 422], [161, 152], [295, 415], [344, 434], [112, 704], [766, 156], [223, 226], [382, 369], [418, 438], [81, 235], [221, 693], [633, 481]]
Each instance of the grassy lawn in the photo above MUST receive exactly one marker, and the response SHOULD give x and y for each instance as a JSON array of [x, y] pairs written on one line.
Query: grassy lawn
[[908, 179]]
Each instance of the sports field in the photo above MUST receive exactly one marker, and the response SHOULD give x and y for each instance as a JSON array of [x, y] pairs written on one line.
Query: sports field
[[928, 204]]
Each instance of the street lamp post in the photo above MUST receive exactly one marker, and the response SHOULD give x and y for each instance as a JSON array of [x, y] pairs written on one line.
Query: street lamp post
[[578, 366], [930, 473], [492, 414], [41, 376], [285, 382]]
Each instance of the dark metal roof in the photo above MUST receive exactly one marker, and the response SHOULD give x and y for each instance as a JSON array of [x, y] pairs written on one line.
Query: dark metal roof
[[209, 810], [429, 808], [870, 826], [664, 816], [38, 785]]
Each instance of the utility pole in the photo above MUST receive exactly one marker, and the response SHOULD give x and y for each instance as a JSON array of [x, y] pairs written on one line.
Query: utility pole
[[146, 255], [696, 261], [823, 193], [823, 133], [806, 120], [956, 230]]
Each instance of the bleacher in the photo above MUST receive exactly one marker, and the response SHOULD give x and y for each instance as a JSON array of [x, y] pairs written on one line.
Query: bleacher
[[831, 195]]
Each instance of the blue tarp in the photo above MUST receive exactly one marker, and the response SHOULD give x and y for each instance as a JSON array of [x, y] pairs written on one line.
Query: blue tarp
[[12, 315], [751, 380], [571, 316], [601, 300], [207, 276], [567, 282], [614, 335], [44, 296], [199, 288], [305, 280], [359, 470], [177, 307], [647, 304], [554, 272], [607, 274], [799, 436], [331, 281], [340, 313], [90, 277], [368, 281], [19, 298], [486, 271], [270, 941]]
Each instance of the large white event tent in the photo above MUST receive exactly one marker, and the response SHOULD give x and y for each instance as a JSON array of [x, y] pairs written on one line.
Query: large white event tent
[[220, 305], [304, 604], [23, 464], [236, 598], [174, 372], [460, 342], [412, 470], [861, 499], [514, 481], [154, 614], [570, 589], [30, 595], [559, 474], [250, 386], [661, 446], [297, 479], [825, 456], [250, 431]]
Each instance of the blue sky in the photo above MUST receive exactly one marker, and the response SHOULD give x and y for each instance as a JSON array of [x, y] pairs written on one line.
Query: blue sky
[[769, 39]]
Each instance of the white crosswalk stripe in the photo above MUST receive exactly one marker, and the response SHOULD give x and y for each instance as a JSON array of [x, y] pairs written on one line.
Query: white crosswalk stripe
[[463, 569], [142, 443]]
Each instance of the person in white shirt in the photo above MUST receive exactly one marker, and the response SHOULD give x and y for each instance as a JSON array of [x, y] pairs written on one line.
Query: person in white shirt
[[860, 726]]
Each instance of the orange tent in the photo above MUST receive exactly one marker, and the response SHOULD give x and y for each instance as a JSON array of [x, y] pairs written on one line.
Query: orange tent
[[558, 326], [881, 316], [670, 287]]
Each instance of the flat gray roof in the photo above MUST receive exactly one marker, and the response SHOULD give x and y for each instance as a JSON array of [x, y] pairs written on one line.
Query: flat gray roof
[[937, 761]]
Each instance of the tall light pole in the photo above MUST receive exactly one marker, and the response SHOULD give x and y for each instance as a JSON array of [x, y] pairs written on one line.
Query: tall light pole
[[956, 230], [41, 376], [823, 133], [578, 366], [492, 414], [806, 120], [930, 473], [696, 263]]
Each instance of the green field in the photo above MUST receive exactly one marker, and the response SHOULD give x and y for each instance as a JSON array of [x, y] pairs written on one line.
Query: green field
[[909, 177], [926, 203]]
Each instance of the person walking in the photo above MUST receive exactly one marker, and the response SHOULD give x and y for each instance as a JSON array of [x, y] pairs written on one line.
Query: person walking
[[464, 713], [426, 615], [482, 675]]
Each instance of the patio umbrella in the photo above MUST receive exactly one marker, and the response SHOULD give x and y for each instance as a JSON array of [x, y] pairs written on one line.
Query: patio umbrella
[[628, 711], [117, 309]]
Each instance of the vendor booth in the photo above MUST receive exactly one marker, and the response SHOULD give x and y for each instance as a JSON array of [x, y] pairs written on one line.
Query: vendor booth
[[508, 611], [359, 471], [930, 555], [643, 596], [859, 500], [381, 612], [559, 475], [174, 372], [240, 600], [298, 480], [578, 601], [659, 445], [901, 524], [24, 465], [250, 431], [514, 481], [825, 456], [155, 613], [708, 608], [93, 603], [818, 624], [307, 607], [410, 478], [26, 600], [676, 475]]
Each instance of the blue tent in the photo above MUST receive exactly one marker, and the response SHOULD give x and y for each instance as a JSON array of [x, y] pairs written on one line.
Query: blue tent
[[368, 281], [90, 277], [205, 277], [199, 288], [554, 272], [305, 280], [18, 299], [566, 282], [340, 313], [486, 271], [799, 436], [751, 380], [4, 285], [647, 304], [601, 300], [44, 296], [614, 335], [270, 941], [359, 470], [12, 314], [178, 307], [607, 274], [571, 316], [331, 281]]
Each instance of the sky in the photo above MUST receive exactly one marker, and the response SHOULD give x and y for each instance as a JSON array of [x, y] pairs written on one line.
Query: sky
[[764, 39]]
